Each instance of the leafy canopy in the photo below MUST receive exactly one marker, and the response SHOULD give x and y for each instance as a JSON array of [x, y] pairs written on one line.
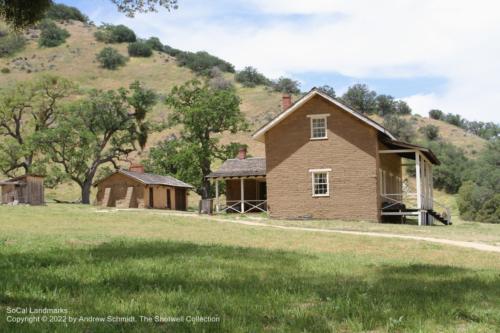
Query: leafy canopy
[[104, 127], [202, 113]]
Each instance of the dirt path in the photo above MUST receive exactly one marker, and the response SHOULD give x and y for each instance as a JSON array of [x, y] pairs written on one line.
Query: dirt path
[[465, 244]]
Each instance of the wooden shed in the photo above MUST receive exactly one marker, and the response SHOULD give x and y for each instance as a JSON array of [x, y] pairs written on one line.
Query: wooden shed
[[27, 189], [136, 189]]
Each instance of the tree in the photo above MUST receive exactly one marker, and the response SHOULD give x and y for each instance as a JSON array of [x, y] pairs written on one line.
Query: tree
[[203, 113], [403, 129], [155, 44], [436, 114], [402, 108], [361, 98], [327, 90], [59, 11], [23, 13], [102, 128], [430, 132], [286, 85], [385, 105], [250, 77], [26, 109], [110, 58], [109, 33]]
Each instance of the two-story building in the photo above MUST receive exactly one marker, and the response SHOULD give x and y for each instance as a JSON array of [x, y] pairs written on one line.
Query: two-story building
[[325, 160]]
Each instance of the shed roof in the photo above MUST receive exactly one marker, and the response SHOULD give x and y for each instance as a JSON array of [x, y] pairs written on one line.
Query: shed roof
[[248, 167], [150, 179]]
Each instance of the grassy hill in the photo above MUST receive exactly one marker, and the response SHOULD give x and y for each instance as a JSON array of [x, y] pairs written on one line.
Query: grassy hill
[[75, 60]]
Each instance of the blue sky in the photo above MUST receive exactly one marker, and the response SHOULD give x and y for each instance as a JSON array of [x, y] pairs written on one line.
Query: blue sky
[[433, 54]]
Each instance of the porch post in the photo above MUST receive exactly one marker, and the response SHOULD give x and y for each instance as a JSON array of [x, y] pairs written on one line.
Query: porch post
[[217, 203], [242, 187], [419, 186]]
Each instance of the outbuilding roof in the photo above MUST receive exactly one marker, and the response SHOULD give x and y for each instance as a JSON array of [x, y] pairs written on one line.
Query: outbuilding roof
[[235, 167], [150, 179]]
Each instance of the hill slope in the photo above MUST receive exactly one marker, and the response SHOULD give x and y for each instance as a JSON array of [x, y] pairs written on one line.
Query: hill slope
[[75, 60]]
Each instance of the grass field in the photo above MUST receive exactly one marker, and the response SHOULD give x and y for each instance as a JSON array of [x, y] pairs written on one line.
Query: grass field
[[137, 263]]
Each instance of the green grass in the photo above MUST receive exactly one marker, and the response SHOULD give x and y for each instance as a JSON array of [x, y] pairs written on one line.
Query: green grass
[[254, 279]]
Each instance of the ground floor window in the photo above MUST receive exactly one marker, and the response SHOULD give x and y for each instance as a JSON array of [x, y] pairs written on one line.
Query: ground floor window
[[320, 182]]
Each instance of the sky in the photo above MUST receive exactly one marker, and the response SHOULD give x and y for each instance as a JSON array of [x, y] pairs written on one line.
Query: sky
[[434, 54]]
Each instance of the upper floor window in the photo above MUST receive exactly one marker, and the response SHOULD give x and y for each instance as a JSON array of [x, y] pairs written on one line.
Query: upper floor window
[[319, 126]]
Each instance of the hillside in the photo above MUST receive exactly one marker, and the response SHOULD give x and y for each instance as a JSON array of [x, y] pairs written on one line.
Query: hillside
[[76, 60]]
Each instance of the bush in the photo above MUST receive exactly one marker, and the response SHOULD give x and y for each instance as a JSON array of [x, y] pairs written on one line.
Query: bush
[[66, 13], [108, 33], [430, 132], [436, 114], [139, 49], [403, 129], [250, 77], [11, 43], [286, 85], [202, 62], [5, 70], [478, 203], [171, 51], [110, 58], [51, 34], [155, 44]]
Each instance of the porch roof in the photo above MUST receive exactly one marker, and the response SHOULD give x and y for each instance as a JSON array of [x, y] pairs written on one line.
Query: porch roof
[[248, 167], [394, 144]]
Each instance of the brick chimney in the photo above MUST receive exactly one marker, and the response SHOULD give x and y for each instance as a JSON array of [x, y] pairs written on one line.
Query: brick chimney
[[242, 153], [135, 167], [286, 101]]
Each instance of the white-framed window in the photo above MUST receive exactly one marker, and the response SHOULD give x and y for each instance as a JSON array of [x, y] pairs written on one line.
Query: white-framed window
[[320, 182], [319, 126]]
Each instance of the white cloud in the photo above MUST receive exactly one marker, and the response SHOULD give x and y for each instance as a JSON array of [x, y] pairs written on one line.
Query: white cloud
[[455, 40]]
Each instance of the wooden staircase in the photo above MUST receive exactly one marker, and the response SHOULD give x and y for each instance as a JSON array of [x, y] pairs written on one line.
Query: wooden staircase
[[439, 217]]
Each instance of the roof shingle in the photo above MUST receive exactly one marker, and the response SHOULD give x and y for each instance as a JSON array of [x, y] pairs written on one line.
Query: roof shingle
[[253, 166]]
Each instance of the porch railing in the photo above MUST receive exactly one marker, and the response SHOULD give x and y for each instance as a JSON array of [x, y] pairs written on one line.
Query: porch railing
[[236, 206]]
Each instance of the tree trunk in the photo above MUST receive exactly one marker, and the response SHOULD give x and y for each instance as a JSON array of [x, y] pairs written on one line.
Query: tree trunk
[[205, 188], [86, 187]]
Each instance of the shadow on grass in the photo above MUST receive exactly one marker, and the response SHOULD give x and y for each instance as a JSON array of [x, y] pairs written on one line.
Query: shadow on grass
[[250, 289]]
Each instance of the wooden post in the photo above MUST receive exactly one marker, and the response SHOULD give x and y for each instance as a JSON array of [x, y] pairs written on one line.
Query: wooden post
[[242, 186], [419, 186], [217, 202]]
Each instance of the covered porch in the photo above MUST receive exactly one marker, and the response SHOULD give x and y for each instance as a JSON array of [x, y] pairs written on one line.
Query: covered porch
[[399, 198], [243, 181]]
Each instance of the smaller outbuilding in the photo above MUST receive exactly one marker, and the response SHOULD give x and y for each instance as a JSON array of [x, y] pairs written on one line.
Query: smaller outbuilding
[[26, 189], [134, 188]]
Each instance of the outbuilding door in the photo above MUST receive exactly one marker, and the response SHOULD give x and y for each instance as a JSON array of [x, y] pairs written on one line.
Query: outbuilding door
[[151, 200], [180, 198]]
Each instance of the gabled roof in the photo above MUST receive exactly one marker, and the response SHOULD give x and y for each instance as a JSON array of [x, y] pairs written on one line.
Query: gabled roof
[[259, 134], [150, 179], [252, 166]]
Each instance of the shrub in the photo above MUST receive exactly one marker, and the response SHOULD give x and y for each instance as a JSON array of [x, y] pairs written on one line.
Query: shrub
[[250, 77], [478, 203], [63, 12], [430, 132], [5, 70], [155, 44], [108, 33], [51, 34], [436, 114], [286, 85], [110, 58], [139, 49], [171, 51], [202, 62], [403, 129], [10, 44]]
